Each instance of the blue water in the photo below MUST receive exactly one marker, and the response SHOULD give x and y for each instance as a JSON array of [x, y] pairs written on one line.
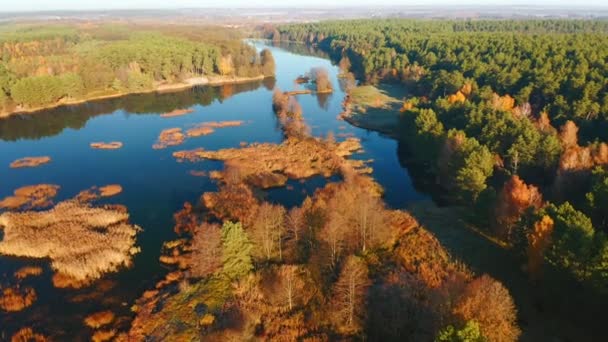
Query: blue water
[[154, 184]]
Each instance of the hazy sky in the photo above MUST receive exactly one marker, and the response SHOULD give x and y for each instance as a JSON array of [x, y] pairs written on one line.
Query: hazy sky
[[41, 5]]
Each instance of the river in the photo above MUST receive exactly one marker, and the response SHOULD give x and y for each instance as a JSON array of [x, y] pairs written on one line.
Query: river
[[154, 184]]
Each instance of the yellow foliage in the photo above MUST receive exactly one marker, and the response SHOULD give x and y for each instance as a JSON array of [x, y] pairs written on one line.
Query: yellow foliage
[[467, 89], [504, 103], [207, 320], [457, 98]]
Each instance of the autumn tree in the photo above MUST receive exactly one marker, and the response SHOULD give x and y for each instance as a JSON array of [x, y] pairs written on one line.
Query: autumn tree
[[291, 285], [344, 64], [206, 250], [349, 295], [185, 220], [487, 302], [369, 220], [568, 134], [515, 198], [280, 102], [539, 240], [333, 235], [226, 65], [268, 231], [267, 62], [320, 76], [236, 251]]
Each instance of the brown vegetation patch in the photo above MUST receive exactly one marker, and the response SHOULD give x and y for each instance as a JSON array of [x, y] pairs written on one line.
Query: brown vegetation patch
[[103, 335], [14, 299], [30, 162], [199, 131], [110, 190], [27, 335], [30, 197], [113, 145], [198, 173], [267, 165], [99, 319], [28, 271], [169, 137], [82, 242], [97, 192], [176, 112], [299, 92]]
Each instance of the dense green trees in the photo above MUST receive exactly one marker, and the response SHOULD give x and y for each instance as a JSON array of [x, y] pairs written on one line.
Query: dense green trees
[[486, 101], [42, 65], [559, 65]]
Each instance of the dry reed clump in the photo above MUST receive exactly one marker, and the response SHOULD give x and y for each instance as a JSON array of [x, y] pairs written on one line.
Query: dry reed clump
[[103, 335], [31, 196], [30, 162], [97, 192], [14, 299], [169, 137], [110, 190], [99, 319], [198, 173], [176, 112], [27, 334], [267, 165], [82, 242], [113, 145], [207, 128], [28, 271]]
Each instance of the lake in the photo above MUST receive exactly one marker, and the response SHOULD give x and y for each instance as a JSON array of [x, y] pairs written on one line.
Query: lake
[[154, 184]]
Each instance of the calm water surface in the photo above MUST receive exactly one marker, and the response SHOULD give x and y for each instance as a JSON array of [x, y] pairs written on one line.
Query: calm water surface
[[154, 184]]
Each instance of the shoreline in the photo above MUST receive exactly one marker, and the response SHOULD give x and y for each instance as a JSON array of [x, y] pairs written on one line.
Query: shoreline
[[162, 88]]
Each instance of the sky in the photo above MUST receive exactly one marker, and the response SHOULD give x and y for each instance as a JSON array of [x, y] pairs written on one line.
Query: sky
[[44, 5]]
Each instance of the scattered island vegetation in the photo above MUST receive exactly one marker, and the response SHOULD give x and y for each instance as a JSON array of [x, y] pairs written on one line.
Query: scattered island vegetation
[[82, 242], [44, 66], [175, 136], [30, 162], [113, 145], [509, 117], [31, 197], [176, 112], [338, 266]]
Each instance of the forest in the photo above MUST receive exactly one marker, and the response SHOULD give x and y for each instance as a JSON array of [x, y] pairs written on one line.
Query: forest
[[508, 118], [46, 65]]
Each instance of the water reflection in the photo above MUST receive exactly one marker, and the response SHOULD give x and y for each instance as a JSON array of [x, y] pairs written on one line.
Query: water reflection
[[53, 121]]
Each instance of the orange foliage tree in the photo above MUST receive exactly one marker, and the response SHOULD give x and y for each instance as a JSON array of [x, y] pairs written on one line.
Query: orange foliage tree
[[515, 197], [538, 241], [488, 302], [185, 220]]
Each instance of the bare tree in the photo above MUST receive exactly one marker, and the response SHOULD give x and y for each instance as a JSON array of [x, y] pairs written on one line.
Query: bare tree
[[292, 284], [349, 294], [268, 231], [369, 219], [206, 250], [334, 235]]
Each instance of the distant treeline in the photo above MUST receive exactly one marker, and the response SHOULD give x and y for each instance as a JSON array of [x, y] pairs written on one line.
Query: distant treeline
[[43, 65], [560, 66]]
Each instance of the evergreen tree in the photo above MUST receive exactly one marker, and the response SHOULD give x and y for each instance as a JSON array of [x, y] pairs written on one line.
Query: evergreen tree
[[236, 256]]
